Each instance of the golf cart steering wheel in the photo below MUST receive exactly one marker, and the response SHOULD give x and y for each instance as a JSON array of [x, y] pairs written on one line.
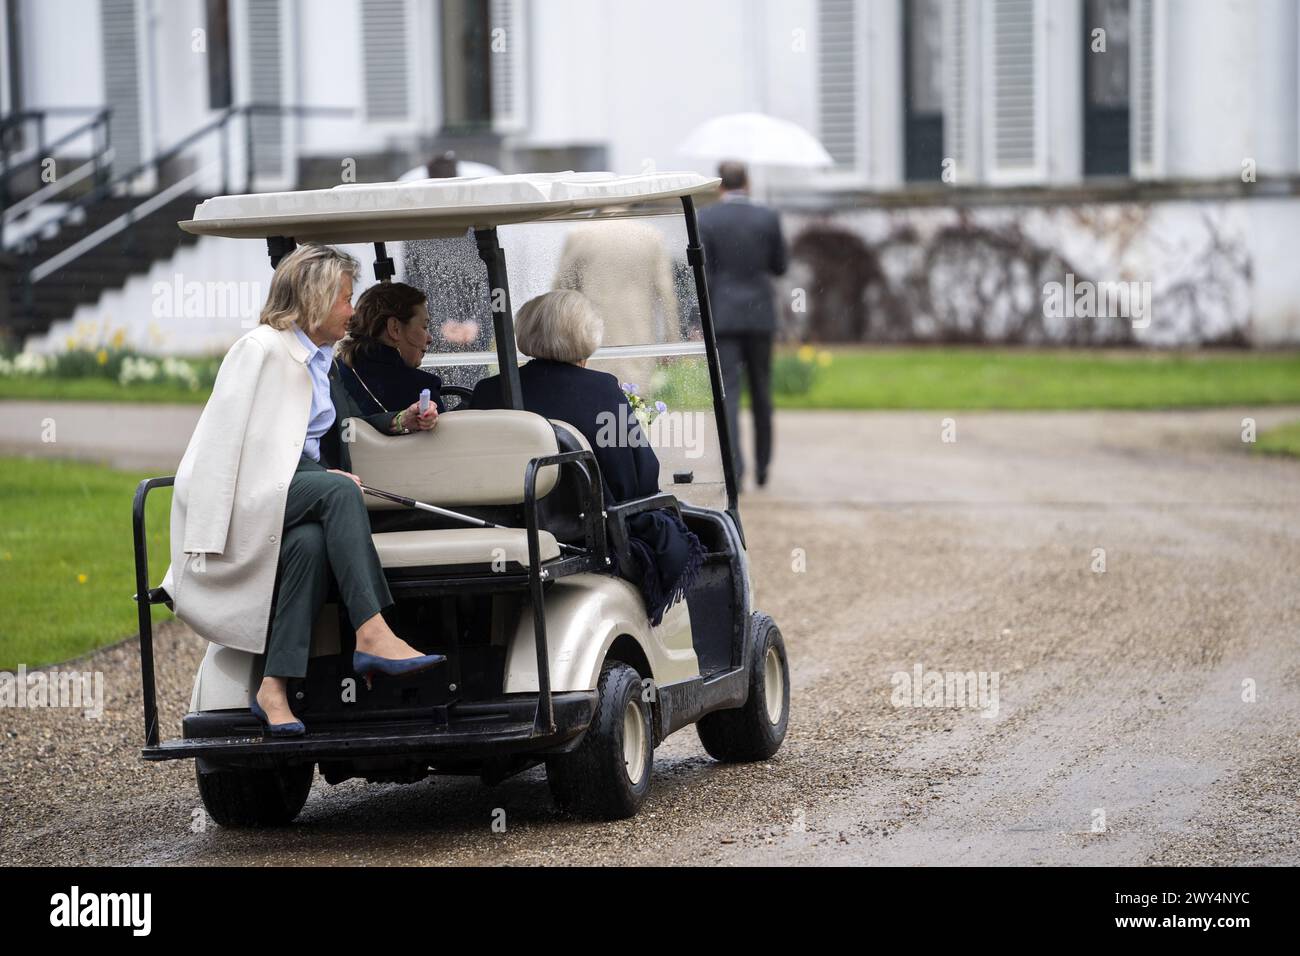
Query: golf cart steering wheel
[[459, 391]]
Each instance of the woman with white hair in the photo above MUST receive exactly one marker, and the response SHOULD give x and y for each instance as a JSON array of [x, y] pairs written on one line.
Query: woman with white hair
[[264, 494], [560, 330]]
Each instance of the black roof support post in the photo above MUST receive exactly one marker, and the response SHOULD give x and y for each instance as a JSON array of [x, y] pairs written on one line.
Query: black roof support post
[[384, 267], [277, 247], [695, 256], [503, 323]]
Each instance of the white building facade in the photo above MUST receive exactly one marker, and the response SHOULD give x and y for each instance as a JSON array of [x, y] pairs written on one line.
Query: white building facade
[[1054, 119]]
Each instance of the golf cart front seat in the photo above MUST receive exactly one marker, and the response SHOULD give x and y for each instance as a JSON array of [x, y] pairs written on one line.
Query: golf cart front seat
[[475, 461]]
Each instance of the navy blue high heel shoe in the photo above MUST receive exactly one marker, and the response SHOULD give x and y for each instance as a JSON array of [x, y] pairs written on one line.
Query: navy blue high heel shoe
[[367, 664], [293, 728]]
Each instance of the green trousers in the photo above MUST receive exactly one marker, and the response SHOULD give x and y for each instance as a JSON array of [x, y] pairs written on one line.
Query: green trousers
[[326, 530]]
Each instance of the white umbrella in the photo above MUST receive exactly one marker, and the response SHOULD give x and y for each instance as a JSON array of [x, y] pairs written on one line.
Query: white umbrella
[[468, 169], [755, 139], [465, 169]]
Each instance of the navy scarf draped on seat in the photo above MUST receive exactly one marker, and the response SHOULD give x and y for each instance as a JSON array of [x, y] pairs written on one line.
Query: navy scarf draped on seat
[[668, 556]]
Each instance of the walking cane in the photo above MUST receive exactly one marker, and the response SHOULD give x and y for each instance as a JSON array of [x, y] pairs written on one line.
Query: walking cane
[[455, 515]]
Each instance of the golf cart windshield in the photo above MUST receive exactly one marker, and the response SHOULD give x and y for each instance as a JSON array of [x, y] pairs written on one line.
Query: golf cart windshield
[[621, 240], [634, 270]]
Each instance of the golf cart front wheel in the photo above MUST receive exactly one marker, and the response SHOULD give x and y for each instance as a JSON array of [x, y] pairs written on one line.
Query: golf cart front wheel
[[255, 797], [608, 775], [755, 730]]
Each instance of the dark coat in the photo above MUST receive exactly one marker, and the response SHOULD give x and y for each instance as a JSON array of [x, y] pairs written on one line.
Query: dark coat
[[666, 553], [577, 396], [743, 249], [394, 383], [334, 452]]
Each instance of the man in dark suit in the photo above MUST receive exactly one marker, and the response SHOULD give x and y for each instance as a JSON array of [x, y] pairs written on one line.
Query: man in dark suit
[[743, 249]]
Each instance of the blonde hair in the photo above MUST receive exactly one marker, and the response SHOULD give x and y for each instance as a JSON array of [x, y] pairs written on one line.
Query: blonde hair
[[561, 326], [305, 285]]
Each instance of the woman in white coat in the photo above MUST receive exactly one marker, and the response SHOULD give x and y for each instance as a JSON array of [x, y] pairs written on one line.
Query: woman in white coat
[[264, 488]]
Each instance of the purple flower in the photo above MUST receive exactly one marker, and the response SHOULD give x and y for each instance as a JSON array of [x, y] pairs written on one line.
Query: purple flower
[[630, 388], [660, 407]]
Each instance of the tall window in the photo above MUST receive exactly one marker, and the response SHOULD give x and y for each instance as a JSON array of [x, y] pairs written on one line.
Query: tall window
[[922, 90], [466, 70], [218, 27], [1106, 88]]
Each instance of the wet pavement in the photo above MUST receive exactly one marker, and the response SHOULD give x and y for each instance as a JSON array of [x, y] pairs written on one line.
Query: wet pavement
[[1144, 713]]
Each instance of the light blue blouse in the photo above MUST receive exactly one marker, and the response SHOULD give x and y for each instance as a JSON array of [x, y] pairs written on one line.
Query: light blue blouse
[[322, 406]]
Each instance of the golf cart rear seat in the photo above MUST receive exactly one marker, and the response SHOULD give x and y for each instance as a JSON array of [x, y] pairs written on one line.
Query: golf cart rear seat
[[477, 461]]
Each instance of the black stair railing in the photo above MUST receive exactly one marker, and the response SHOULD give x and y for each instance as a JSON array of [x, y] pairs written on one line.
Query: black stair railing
[[16, 155], [32, 265]]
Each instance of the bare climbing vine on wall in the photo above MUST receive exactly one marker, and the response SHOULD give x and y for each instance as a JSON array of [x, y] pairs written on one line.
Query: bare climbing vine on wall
[[982, 279]]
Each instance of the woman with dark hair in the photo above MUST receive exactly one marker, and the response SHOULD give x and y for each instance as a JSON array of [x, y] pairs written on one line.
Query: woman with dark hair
[[379, 361]]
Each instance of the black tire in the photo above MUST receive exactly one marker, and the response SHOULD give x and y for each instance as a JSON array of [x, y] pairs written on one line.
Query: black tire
[[747, 733], [594, 780], [251, 797]]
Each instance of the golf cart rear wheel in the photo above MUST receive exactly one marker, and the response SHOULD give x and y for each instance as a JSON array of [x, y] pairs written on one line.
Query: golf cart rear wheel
[[254, 797], [755, 730], [608, 775]]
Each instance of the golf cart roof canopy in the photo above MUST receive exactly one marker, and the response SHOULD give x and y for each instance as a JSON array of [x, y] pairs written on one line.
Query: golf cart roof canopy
[[433, 208]]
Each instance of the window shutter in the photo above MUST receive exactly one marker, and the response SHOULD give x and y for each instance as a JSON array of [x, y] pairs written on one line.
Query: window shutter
[[384, 33], [121, 46], [10, 62], [837, 118], [1146, 112], [508, 65], [265, 87], [961, 88], [1014, 92]]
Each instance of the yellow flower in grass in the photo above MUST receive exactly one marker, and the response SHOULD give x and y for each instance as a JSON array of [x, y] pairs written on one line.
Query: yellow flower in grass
[[806, 353], [119, 339], [82, 578], [101, 357]]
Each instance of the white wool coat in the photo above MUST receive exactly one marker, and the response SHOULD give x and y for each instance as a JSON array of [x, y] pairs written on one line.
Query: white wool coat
[[228, 504]]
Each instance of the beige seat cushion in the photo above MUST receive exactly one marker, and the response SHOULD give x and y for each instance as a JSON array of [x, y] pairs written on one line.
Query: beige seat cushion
[[474, 457], [413, 549]]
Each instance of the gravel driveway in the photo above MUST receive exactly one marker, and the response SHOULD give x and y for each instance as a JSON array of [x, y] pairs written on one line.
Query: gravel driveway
[[1121, 733]]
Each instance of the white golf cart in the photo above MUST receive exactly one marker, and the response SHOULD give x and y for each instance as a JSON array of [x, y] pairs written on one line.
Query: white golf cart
[[551, 657]]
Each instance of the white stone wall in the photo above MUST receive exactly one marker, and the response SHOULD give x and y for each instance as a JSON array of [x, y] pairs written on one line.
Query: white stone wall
[[1218, 272]]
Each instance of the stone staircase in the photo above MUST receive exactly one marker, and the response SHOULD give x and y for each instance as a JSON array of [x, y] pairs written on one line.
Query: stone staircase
[[34, 306]]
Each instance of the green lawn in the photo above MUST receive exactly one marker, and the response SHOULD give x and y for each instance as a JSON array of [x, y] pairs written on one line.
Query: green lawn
[[97, 390], [66, 567], [909, 377], [957, 379], [1283, 440]]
